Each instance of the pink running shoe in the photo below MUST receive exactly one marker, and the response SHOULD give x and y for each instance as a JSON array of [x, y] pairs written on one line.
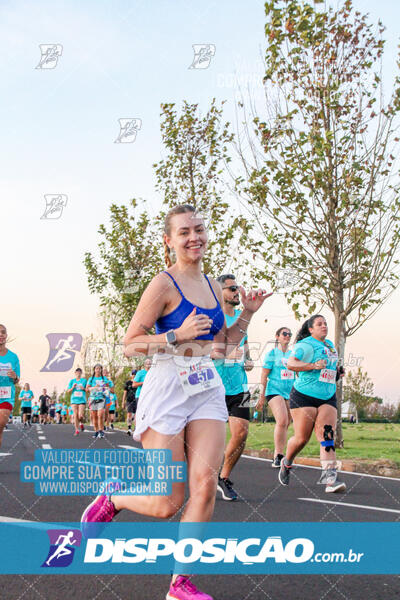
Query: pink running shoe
[[76, 432], [101, 510], [184, 589], [82, 427]]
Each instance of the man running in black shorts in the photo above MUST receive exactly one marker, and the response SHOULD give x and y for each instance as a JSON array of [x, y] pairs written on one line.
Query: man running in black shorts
[[129, 401], [44, 400], [233, 374]]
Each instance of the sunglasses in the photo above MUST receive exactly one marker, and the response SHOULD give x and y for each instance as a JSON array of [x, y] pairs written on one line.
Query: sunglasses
[[233, 288], [286, 334]]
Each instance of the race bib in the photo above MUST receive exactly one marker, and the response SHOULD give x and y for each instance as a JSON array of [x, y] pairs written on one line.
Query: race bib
[[198, 377], [327, 375], [5, 392], [78, 394], [286, 374], [4, 368]]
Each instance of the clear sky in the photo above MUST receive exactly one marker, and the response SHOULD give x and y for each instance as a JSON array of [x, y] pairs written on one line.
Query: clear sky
[[120, 59]]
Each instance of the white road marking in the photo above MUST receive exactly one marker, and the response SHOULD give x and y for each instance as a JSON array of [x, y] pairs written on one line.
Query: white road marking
[[5, 453], [42, 437], [12, 519], [319, 468], [391, 510], [128, 447], [46, 446]]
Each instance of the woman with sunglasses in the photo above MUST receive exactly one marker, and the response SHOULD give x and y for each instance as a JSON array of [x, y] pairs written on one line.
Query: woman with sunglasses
[[276, 392], [313, 400]]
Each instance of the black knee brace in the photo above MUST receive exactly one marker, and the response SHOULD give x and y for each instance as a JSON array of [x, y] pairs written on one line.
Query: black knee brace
[[328, 443]]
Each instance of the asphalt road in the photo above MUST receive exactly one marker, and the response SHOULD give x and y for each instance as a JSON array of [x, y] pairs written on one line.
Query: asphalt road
[[261, 498]]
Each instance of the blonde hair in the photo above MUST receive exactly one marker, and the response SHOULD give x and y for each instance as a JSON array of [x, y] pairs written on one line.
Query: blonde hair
[[176, 210]]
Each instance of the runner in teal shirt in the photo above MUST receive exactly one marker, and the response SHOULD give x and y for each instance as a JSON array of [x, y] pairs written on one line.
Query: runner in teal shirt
[[78, 400], [9, 376], [26, 396], [313, 400], [276, 392], [140, 377]]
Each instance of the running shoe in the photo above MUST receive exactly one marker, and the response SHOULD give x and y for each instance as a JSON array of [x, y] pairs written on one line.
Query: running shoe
[[129, 432], [276, 463], [112, 426], [95, 435], [332, 482], [284, 472], [184, 589], [82, 427], [101, 510], [76, 432], [101, 434], [225, 486]]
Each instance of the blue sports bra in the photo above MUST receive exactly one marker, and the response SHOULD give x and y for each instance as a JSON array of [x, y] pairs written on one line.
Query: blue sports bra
[[174, 319]]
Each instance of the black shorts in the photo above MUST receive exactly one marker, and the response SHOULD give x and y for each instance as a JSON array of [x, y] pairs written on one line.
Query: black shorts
[[238, 405], [26, 410], [58, 412], [132, 407], [299, 400], [111, 412], [52, 413], [270, 396], [44, 411]]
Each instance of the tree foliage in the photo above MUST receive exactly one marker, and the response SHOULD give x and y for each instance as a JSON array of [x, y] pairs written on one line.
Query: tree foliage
[[320, 163]]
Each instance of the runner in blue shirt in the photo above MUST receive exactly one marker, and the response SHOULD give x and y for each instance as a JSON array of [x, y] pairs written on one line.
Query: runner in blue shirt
[[140, 377], [276, 392], [97, 385], [58, 412], [109, 391], [78, 399], [9, 376], [26, 396], [112, 408], [313, 400], [35, 413], [232, 371]]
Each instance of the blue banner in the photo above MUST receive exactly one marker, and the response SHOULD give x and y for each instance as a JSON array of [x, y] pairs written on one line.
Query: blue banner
[[218, 548]]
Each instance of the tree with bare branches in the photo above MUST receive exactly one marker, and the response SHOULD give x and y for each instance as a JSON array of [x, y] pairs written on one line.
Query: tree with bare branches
[[320, 171]]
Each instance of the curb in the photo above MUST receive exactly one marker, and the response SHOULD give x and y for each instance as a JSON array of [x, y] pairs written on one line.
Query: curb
[[382, 467]]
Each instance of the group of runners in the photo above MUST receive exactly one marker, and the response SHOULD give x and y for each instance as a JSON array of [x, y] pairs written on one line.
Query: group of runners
[[196, 381]]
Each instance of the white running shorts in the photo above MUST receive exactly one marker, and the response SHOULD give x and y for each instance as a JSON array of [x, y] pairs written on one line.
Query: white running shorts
[[166, 408]]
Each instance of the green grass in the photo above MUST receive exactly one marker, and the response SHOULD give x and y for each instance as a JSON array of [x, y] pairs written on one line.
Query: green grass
[[365, 440]]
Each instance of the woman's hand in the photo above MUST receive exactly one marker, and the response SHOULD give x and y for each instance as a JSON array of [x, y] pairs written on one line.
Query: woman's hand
[[320, 364], [260, 404], [193, 326], [11, 374], [254, 299]]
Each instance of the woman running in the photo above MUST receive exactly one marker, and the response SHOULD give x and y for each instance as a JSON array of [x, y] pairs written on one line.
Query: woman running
[[112, 408], [78, 399], [176, 411], [109, 391], [313, 400], [97, 385], [9, 376], [276, 392], [26, 396]]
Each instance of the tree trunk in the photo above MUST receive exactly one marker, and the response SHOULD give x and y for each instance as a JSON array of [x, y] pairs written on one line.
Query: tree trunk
[[340, 342]]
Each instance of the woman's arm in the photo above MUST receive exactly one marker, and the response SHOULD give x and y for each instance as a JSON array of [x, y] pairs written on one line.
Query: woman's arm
[[264, 378], [296, 365]]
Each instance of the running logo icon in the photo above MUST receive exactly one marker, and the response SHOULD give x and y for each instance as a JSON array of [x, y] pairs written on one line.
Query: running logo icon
[[50, 54], [62, 351], [55, 203], [128, 130], [62, 547], [203, 54]]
